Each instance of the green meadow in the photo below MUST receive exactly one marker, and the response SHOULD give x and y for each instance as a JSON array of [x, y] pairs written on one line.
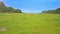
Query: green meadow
[[17, 23]]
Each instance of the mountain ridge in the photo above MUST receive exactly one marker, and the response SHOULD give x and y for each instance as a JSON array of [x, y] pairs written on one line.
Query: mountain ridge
[[5, 9]]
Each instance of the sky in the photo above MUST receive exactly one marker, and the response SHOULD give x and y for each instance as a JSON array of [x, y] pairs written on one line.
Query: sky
[[33, 6]]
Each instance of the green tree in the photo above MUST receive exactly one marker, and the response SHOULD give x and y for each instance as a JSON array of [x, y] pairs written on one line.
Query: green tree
[[18, 11]]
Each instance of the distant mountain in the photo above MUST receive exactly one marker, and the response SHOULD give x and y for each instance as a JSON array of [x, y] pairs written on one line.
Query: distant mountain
[[5, 9], [57, 11]]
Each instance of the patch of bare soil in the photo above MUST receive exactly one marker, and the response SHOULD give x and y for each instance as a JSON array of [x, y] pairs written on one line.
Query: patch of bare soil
[[3, 29]]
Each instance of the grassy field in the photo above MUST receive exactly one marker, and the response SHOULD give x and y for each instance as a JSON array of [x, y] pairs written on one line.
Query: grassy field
[[30, 23]]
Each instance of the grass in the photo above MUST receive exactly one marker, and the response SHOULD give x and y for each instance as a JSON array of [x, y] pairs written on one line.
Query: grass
[[30, 23]]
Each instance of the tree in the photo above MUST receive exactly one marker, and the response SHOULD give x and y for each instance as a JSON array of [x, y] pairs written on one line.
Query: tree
[[10, 9], [18, 11]]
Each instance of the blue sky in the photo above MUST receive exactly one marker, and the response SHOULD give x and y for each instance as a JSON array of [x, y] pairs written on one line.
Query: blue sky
[[33, 6]]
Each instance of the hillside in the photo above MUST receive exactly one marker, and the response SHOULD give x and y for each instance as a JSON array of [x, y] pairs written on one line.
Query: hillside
[[56, 11], [5, 9], [16, 23]]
